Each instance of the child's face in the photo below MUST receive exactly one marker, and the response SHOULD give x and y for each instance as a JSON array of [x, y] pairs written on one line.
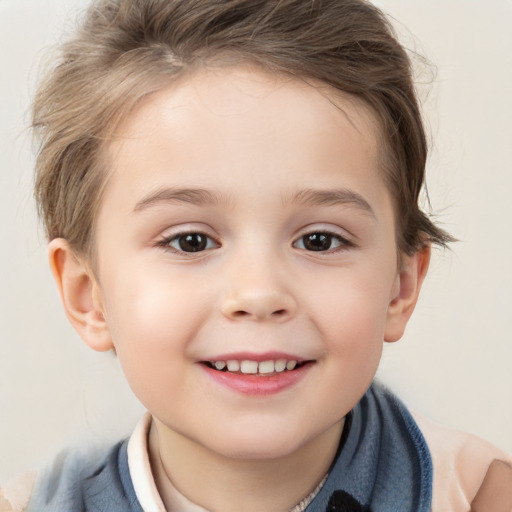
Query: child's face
[[247, 219]]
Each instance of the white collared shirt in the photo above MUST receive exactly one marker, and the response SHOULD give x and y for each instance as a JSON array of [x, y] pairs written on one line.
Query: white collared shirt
[[145, 486]]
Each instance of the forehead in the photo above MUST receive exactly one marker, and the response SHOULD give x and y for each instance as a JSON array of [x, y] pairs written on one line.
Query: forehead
[[232, 122]]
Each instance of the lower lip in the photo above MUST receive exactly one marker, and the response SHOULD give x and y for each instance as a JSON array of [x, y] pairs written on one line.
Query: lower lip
[[258, 385]]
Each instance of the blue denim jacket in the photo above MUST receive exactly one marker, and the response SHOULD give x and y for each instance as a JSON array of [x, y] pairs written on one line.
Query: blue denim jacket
[[382, 465]]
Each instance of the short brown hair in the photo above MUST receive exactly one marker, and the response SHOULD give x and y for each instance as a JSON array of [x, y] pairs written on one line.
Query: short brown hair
[[126, 49]]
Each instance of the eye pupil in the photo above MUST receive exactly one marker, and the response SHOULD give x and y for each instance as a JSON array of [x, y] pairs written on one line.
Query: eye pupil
[[317, 241], [193, 242]]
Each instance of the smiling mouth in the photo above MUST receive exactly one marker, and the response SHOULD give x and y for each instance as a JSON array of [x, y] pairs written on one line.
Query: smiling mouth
[[248, 367]]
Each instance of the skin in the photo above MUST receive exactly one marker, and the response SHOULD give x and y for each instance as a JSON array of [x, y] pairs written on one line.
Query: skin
[[255, 142]]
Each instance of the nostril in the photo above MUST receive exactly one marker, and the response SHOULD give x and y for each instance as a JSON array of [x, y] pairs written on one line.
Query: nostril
[[240, 313]]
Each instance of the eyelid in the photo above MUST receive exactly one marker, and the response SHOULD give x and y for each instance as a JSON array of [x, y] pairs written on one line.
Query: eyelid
[[165, 240], [346, 241]]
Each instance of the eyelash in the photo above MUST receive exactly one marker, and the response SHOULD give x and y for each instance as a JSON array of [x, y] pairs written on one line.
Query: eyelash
[[344, 243], [166, 242], [209, 243]]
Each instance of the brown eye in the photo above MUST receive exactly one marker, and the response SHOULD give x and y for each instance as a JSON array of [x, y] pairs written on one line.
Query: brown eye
[[191, 242], [320, 241]]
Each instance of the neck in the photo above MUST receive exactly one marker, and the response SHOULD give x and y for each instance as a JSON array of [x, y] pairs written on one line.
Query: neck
[[220, 483]]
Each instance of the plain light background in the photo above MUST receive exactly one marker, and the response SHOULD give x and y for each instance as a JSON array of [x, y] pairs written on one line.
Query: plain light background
[[454, 363]]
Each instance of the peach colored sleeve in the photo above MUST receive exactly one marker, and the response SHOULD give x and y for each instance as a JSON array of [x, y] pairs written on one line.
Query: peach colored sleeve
[[15, 495], [495, 494], [460, 461]]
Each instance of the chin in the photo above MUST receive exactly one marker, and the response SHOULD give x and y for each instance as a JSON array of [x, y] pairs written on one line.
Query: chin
[[259, 444], [258, 452]]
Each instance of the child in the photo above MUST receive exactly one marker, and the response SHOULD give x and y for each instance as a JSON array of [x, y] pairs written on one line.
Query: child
[[230, 190]]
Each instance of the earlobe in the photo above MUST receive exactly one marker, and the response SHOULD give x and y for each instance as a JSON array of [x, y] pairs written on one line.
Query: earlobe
[[80, 295], [412, 273]]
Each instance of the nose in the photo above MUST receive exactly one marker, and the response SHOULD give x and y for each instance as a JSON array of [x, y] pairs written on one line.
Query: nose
[[258, 304], [259, 294]]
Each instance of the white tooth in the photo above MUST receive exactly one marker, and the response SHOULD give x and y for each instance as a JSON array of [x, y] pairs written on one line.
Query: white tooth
[[266, 367], [280, 365], [249, 367], [220, 365], [233, 366], [290, 365]]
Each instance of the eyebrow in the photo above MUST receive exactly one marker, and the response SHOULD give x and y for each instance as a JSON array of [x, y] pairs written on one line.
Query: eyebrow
[[305, 197], [331, 197], [196, 196]]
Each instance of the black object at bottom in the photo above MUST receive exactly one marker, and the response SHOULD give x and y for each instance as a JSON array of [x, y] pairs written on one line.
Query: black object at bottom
[[341, 501]]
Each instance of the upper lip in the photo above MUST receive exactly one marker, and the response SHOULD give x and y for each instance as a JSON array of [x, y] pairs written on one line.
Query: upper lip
[[251, 356]]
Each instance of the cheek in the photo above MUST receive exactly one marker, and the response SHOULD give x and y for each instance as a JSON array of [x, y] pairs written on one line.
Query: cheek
[[152, 322], [152, 306], [351, 318], [353, 333], [353, 305]]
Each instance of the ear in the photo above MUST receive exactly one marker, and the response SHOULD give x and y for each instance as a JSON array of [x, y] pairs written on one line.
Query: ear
[[413, 270], [80, 295]]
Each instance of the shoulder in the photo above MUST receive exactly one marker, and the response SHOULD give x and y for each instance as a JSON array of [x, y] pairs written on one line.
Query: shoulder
[[15, 494], [460, 461], [63, 485]]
